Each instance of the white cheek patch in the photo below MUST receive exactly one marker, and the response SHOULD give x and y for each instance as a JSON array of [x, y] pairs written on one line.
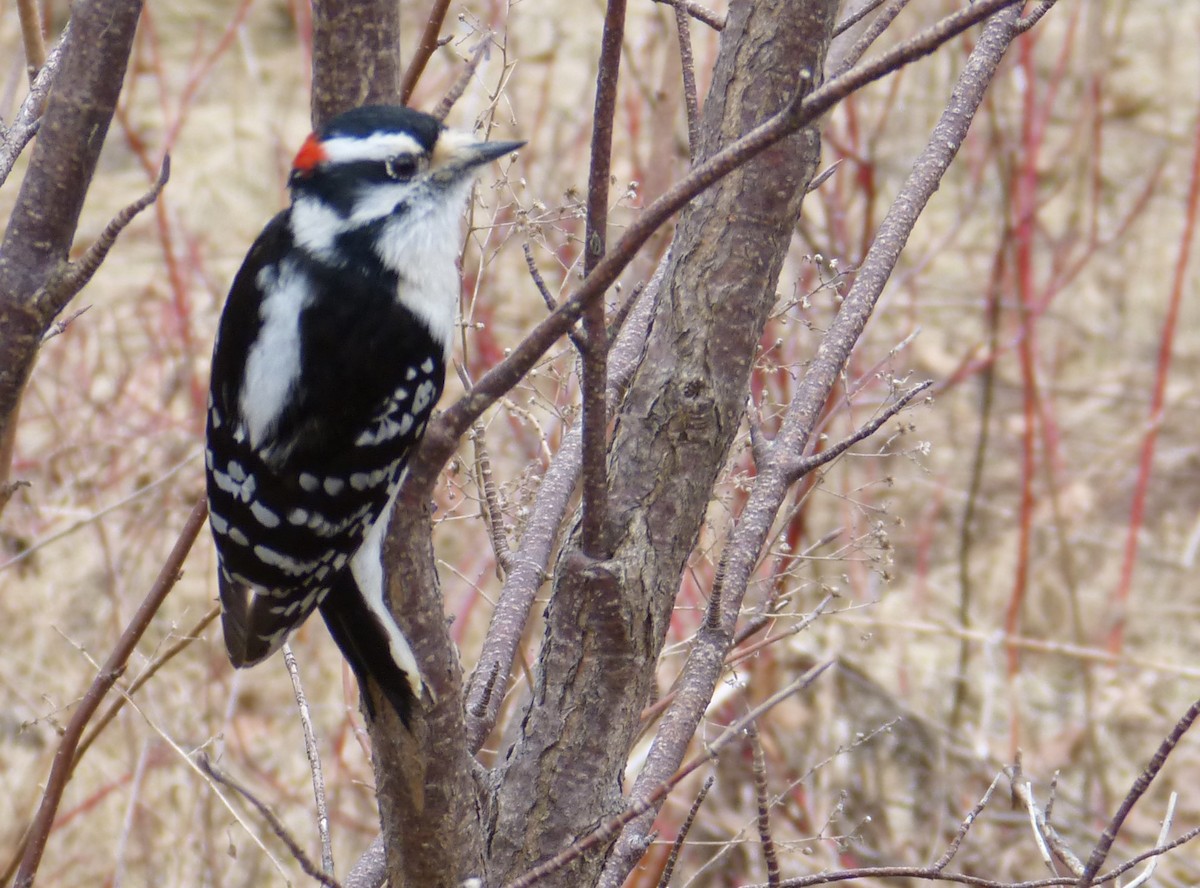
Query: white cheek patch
[[273, 364], [316, 226]]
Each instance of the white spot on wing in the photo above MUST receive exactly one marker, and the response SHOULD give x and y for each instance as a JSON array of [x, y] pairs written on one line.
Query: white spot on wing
[[285, 563], [423, 399], [265, 516], [309, 483], [334, 486]]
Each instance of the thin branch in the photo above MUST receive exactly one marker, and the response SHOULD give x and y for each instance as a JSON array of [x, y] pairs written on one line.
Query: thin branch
[[801, 467], [63, 286], [426, 47], [698, 12], [687, 62], [965, 827], [594, 533], [873, 32], [857, 16], [27, 121], [210, 770], [314, 760], [686, 827], [763, 801], [1034, 15], [607, 830], [574, 333], [1136, 792], [144, 676], [1168, 819], [464, 79], [493, 512], [31, 36], [64, 756]]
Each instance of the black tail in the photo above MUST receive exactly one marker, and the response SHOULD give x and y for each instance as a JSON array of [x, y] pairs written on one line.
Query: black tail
[[367, 646]]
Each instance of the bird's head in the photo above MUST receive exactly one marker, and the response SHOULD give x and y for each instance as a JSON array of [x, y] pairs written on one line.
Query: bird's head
[[379, 163]]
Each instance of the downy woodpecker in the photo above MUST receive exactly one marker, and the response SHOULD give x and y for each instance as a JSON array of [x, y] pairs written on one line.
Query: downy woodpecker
[[329, 358]]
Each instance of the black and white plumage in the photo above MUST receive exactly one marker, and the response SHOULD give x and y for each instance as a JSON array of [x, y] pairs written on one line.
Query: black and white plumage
[[330, 356]]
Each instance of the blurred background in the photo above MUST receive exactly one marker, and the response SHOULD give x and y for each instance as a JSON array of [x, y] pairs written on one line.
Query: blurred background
[[1012, 562]]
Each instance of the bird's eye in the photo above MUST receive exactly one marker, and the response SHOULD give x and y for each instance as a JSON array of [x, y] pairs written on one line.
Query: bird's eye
[[401, 167]]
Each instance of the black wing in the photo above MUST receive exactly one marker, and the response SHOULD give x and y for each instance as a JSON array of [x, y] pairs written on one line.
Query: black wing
[[290, 507]]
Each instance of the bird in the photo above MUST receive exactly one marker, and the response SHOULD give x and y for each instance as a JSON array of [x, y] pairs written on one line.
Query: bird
[[329, 357]]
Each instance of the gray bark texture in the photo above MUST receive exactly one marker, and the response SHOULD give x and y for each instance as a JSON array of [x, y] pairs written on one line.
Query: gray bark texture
[[607, 619], [355, 55]]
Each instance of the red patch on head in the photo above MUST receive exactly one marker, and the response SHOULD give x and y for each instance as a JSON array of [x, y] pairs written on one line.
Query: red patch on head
[[310, 156]]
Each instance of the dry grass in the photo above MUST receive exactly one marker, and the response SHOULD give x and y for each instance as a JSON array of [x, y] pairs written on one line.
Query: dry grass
[[111, 434]]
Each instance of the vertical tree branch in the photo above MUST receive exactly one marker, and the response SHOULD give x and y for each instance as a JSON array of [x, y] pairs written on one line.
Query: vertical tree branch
[[426, 47], [594, 538], [706, 659], [31, 36], [355, 57], [606, 621]]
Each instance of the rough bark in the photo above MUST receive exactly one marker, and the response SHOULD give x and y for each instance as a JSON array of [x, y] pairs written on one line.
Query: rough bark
[[355, 55], [428, 796], [607, 620]]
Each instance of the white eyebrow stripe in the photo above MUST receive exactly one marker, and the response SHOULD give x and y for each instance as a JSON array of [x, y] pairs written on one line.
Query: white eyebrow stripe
[[378, 146]]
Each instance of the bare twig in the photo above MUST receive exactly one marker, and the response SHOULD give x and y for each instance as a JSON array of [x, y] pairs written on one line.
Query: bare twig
[[665, 879], [62, 287], [801, 467], [59, 327], [873, 32], [857, 16], [1030, 19], [277, 827], [493, 513], [763, 800], [144, 676], [1104, 845], [698, 12], [464, 79], [64, 756], [1144, 876], [691, 102], [314, 759], [31, 36], [594, 533], [27, 121], [967, 822], [426, 47], [574, 333]]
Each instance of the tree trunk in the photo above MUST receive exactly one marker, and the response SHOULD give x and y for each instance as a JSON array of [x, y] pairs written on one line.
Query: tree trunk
[[607, 620]]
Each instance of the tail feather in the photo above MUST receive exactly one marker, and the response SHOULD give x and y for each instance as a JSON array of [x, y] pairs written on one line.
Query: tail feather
[[367, 644], [256, 625]]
